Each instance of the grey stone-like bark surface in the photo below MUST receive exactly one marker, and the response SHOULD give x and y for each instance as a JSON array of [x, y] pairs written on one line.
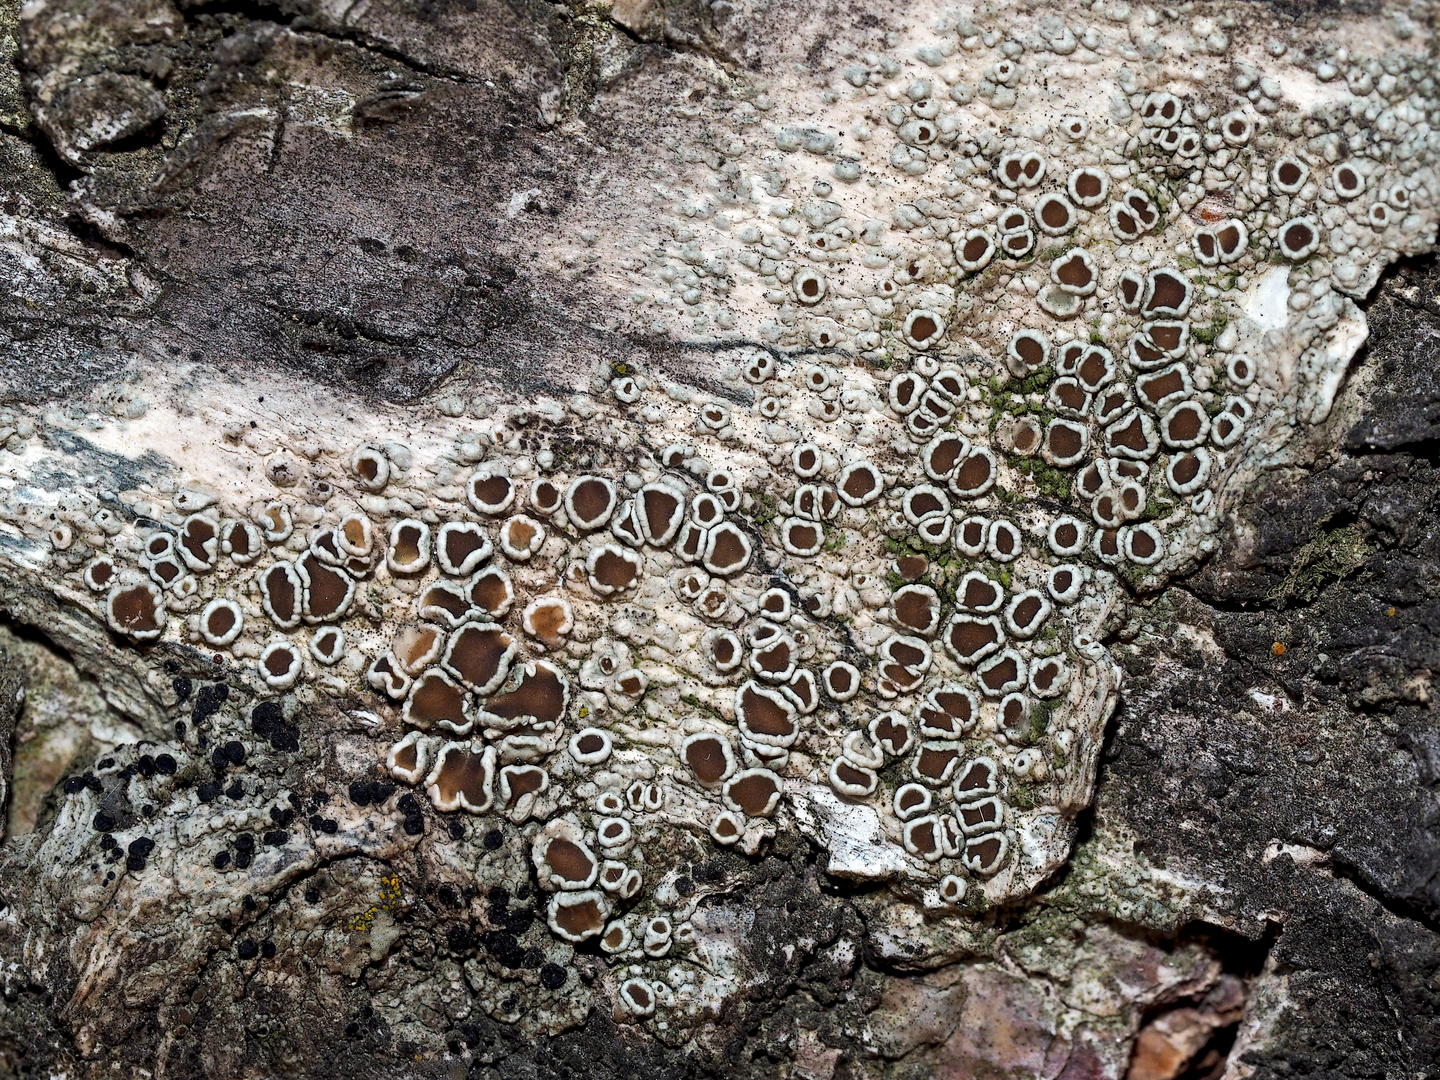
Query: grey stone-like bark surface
[[1303, 786], [1259, 874], [12, 696]]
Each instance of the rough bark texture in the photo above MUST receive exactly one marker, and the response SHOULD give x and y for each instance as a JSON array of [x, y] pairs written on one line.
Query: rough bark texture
[[1255, 891]]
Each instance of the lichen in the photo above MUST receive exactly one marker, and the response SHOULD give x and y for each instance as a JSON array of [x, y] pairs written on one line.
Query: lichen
[[1332, 555]]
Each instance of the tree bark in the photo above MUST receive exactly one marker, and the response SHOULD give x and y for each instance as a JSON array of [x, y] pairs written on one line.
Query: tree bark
[[275, 268]]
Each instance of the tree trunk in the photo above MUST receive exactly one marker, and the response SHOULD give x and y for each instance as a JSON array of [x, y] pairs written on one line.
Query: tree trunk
[[718, 539]]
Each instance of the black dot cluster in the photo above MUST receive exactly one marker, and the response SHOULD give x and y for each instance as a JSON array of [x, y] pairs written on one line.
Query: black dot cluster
[[378, 792], [510, 917], [230, 752], [136, 854], [145, 766], [248, 949], [414, 824], [208, 700], [267, 720], [245, 844], [368, 792], [211, 790], [509, 922], [111, 848], [76, 784], [115, 813]]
